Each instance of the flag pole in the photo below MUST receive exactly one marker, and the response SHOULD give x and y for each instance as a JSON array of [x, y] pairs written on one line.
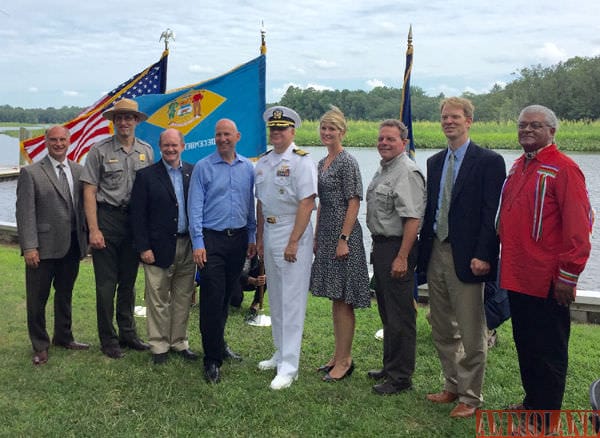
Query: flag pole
[[255, 316], [263, 33], [405, 107]]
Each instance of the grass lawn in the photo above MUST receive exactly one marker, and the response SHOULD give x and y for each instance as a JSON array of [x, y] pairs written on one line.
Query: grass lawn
[[87, 394]]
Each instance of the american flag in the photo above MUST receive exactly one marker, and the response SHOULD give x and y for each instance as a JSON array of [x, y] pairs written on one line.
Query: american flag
[[90, 127]]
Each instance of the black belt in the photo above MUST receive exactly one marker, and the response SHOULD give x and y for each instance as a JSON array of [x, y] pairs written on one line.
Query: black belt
[[109, 207], [380, 239], [229, 232]]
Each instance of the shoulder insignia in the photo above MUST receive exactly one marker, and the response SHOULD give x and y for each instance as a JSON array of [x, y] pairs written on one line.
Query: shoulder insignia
[[264, 154], [300, 152]]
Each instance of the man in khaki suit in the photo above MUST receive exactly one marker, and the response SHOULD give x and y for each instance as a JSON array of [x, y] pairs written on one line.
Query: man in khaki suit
[[52, 236]]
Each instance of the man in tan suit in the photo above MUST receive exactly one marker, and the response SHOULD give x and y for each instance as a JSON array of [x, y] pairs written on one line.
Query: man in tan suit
[[52, 236]]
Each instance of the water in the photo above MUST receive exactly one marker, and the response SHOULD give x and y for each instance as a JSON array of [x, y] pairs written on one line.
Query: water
[[9, 150], [368, 158]]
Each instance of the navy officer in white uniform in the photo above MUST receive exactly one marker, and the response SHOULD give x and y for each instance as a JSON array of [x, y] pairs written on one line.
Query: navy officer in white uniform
[[286, 188]]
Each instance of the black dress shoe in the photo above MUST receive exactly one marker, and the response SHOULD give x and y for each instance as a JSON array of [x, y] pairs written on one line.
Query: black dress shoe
[[73, 345], [135, 344], [113, 352], [188, 354], [40, 357], [228, 353], [160, 358], [327, 377], [389, 387], [376, 374], [212, 373]]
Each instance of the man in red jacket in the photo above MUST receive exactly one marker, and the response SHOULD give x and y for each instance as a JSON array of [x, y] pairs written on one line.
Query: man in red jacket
[[544, 227]]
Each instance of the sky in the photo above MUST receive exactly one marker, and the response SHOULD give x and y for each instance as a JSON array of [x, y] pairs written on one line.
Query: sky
[[70, 52]]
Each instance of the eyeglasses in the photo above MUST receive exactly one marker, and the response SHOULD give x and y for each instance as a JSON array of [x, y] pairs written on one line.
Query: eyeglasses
[[533, 125], [278, 128]]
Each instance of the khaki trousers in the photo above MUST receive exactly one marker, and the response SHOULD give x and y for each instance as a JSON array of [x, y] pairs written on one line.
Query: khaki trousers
[[168, 300], [458, 326]]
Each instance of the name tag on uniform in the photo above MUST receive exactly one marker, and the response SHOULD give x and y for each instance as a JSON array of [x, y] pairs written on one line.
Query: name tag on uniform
[[283, 171], [112, 160], [142, 157]]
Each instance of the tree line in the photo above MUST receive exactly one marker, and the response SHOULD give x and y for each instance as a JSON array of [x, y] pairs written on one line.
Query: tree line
[[38, 115], [570, 88]]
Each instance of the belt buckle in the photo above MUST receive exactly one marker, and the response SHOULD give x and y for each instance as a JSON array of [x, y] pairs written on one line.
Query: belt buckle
[[271, 219], [229, 232]]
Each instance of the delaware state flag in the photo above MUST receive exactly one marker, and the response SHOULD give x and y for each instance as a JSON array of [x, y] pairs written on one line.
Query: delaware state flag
[[194, 110]]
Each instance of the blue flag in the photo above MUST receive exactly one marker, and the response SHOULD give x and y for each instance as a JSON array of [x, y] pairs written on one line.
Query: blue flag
[[405, 109], [194, 110]]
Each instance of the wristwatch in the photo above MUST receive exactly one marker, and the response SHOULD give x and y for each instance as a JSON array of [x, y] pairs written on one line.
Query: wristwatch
[[343, 237]]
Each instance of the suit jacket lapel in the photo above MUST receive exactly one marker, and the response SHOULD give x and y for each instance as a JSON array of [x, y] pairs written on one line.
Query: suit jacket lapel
[[165, 179], [437, 166], [75, 173], [187, 174], [48, 169]]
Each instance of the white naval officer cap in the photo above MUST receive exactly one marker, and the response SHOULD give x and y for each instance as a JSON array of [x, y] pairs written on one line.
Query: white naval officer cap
[[281, 116]]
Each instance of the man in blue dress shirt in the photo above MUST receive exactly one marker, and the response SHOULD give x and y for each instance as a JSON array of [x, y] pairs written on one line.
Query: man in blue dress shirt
[[223, 231]]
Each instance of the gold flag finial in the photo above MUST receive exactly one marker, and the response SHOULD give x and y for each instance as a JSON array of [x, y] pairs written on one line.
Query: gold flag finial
[[263, 44], [409, 45]]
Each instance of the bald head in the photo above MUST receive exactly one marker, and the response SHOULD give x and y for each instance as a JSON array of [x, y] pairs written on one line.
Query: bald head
[[58, 142], [226, 138]]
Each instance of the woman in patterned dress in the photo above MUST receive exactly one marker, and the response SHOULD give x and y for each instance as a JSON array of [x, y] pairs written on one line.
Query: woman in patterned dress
[[339, 271]]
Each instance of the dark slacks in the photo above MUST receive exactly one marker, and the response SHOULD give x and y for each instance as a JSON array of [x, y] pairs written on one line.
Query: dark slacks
[[225, 255], [61, 273], [397, 310], [541, 329], [115, 269]]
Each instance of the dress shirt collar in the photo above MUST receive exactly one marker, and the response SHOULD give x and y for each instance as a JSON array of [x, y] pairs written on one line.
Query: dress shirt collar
[[169, 167], [216, 158], [459, 153]]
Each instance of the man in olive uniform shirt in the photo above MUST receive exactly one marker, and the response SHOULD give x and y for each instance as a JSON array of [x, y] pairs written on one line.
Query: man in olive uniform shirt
[[395, 206], [108, 179]]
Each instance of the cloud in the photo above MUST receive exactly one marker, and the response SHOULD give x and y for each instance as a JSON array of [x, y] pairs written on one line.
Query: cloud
[[275, 93], [447, 90], [33, 89], [196, 68], [325, 64], [70, 93], [374, 83], [551, 53], [296, 69], [319, 87]]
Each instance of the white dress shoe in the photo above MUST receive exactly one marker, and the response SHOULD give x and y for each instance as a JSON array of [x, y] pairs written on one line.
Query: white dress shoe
[[282, 382], [269, 364]]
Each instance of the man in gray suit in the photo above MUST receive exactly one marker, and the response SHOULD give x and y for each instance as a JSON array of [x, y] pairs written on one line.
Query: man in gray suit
[[53, 240]]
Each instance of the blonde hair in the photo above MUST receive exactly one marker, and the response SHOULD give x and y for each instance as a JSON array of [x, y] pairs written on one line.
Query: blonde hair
[[460, 102], [335, 117]]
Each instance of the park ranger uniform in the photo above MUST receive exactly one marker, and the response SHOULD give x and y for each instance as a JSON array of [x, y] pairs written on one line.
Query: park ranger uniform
[[282, 181], [112, 170]]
